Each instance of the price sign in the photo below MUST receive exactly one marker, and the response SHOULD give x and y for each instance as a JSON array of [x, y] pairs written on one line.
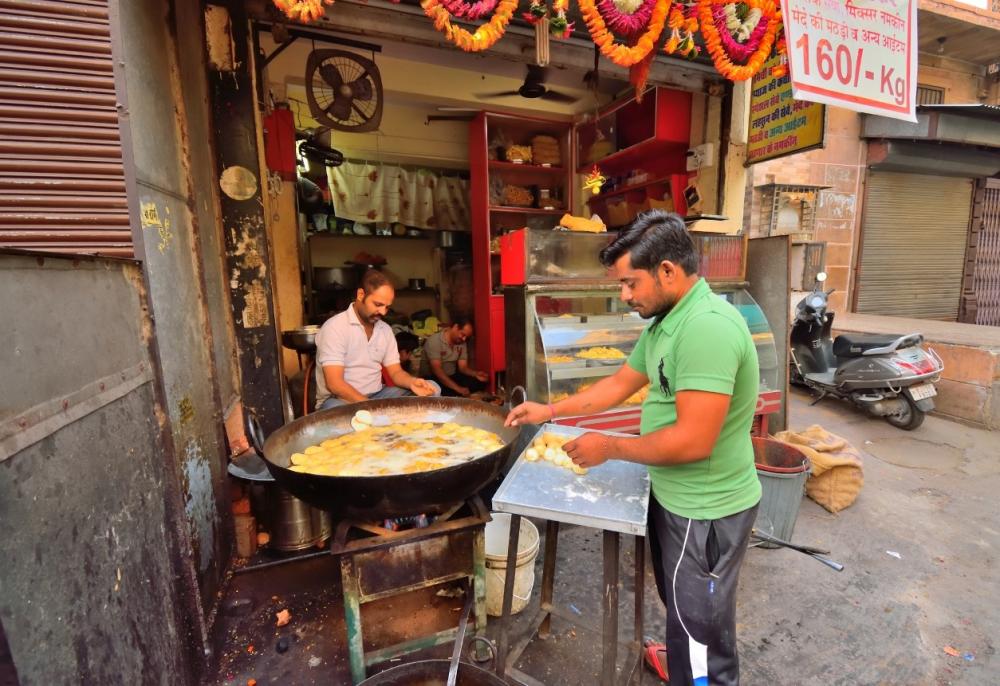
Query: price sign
[[857, 54]]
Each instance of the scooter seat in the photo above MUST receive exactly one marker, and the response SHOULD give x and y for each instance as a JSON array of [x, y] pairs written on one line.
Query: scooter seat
[[855, 344]]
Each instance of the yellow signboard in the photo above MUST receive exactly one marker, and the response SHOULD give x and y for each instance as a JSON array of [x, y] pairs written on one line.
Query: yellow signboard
[[779, 124]]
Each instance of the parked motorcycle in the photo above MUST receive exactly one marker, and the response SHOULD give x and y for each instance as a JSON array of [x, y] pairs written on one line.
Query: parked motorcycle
[[888, 376]]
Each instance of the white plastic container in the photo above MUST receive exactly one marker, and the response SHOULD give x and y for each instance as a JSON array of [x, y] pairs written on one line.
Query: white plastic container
[[497, 536]]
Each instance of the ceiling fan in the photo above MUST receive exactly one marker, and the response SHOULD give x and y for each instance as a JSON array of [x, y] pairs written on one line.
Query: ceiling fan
[[533, 87]]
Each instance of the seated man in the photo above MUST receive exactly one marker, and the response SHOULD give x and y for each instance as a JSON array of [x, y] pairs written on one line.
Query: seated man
[[353, 346], [446, 356], [406, 342]]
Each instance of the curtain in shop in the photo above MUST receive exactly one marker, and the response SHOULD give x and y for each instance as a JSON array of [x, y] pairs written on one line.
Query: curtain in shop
[[422, 198]]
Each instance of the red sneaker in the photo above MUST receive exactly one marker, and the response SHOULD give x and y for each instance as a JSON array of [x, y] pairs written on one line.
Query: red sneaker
[[655, 657]]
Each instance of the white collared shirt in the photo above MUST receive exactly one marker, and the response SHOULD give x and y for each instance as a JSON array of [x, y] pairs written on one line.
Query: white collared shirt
[[342, 342]]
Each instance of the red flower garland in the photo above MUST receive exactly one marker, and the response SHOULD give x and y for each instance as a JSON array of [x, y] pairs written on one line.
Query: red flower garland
[[739, 70], [740, 52], [472, 12], [629, 25]]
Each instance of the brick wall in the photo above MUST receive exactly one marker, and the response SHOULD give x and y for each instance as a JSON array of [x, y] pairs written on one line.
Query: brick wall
[[840, 165]]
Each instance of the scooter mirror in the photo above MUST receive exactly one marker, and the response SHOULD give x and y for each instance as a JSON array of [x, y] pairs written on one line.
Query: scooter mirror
[[821, 277]]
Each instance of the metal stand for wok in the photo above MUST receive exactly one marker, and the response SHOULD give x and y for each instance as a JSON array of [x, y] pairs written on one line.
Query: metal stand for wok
[[383, 563]]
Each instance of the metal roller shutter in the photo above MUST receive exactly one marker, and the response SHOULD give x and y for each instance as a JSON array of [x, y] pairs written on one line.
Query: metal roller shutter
[[913, 240], [62, 186], [987, 269]]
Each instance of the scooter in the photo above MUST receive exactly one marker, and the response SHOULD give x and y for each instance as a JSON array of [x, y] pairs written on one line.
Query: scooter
[[888, 376]]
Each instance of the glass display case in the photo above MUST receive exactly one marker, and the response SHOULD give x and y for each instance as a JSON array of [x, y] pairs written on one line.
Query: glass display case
[[563, 337], [532, 255]]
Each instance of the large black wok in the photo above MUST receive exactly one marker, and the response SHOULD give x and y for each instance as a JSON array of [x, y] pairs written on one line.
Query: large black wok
[[377, 497]]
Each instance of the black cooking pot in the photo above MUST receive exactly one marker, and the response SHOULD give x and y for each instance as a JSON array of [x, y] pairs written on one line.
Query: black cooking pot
[[396, 495]]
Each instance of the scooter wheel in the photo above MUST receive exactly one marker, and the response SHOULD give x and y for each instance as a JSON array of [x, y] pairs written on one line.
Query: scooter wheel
[[909, 419]]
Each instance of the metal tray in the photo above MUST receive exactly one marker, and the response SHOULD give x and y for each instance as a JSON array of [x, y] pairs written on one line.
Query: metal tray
[[613, 496]]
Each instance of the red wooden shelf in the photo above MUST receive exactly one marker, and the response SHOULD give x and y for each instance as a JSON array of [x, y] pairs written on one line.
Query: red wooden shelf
[[634, 155], [524, 210], [627, 189], [526, 167]]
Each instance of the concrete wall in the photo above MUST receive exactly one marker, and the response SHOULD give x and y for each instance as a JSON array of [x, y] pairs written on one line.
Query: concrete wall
[[962, 82], [96, 584], [969, 389], [170, 202], [284, 235]]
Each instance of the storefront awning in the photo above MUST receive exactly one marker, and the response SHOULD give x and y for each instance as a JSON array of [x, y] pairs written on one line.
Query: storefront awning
[[971, 124]]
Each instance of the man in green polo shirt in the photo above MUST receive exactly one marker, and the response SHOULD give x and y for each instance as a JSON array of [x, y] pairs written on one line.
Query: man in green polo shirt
[[701, 366]]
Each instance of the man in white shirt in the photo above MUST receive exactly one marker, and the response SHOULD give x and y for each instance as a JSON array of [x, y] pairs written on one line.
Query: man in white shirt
[[353, 346]]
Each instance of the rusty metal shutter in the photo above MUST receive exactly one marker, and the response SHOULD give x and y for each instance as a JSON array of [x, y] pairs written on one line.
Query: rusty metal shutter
[[62, 186], [987, 270], [914, 232]]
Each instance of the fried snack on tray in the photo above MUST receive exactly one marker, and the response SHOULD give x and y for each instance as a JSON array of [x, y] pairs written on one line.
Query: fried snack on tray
[[601, 352], [638, 397]]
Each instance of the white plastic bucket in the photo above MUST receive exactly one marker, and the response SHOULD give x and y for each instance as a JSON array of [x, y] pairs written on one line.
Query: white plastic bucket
[[497, 537]]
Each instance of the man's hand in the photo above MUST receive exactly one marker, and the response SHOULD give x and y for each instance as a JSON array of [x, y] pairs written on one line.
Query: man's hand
[[589, 450], [529, 413], [462, 391], [482, 376], [421, 387]]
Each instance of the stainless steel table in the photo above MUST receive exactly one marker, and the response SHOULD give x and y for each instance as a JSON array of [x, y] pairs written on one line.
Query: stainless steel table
[[612, 497]]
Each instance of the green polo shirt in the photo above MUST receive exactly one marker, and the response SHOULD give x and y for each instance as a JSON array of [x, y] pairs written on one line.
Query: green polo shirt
[[702, 344]]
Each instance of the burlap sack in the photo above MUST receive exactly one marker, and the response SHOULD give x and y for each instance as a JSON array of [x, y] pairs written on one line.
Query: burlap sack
[[837, 475]]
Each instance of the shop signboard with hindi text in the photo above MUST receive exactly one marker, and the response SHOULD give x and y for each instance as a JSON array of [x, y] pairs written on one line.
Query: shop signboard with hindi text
[[856, 54], [780, 125]]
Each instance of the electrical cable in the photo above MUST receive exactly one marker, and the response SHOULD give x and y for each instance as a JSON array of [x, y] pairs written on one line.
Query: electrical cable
[[673, 586]]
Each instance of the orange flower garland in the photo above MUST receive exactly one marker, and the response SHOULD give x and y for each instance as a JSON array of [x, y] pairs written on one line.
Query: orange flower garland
[[624, 55], [303, 10], [713, 41], [782, 49], [485, 36]]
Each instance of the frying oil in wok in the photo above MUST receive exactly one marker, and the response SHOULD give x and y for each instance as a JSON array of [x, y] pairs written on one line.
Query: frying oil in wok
[[403, 448]]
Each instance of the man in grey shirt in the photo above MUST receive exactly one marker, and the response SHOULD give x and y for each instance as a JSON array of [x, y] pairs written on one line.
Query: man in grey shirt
[[446, 359]]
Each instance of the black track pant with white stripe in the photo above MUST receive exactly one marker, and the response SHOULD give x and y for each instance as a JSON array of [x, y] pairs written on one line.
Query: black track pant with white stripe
[[701, 615]]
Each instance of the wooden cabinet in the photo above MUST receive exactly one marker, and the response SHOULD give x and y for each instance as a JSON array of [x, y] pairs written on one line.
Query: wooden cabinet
[[508, 195], [641, 148]]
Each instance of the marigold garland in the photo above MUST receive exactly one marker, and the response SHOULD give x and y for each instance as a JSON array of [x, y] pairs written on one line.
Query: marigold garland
[[302, 10], [638, 74], [724, 63], [781, 48], [624, 55], [683, 24], [484, 37]]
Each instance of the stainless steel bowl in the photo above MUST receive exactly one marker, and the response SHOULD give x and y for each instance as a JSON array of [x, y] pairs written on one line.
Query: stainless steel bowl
[[301, 340]]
